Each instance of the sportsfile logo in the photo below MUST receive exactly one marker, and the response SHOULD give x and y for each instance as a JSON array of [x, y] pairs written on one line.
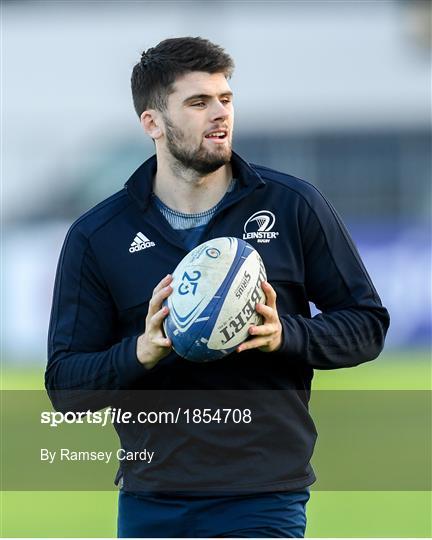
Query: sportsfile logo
[[140, 242], [259, 227]]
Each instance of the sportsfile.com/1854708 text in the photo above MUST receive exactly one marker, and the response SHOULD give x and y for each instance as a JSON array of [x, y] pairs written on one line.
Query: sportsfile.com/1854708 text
[[118, 416]]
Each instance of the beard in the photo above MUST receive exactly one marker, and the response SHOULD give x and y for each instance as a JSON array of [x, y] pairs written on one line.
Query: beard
[[199, 158]]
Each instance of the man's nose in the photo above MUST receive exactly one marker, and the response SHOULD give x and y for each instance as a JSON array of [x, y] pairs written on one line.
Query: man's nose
[[218, 111]]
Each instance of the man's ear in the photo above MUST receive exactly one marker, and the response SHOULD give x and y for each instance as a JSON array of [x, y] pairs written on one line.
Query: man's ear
[[151, 123]]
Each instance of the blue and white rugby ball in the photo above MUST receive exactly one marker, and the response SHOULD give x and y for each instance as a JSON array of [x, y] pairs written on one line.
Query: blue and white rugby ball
[[216, 287]]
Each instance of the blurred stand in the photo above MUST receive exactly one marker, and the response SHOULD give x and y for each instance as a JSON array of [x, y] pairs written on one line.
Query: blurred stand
[[337, 93]]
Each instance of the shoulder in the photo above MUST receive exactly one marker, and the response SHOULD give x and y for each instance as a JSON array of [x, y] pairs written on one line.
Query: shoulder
[[98, 217], [303, 191]]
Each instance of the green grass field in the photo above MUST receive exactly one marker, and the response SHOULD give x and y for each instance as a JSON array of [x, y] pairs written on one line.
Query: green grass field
[[401, 370], [330, 513]]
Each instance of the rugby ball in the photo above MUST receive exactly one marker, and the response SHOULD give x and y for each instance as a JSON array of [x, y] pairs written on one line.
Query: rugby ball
[[215, 290]]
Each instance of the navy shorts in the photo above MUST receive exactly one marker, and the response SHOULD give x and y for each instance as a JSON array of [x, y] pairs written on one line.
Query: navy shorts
[[271, 515]]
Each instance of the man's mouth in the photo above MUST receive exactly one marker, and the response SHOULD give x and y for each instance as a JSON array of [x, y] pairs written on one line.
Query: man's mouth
[[217, 134]]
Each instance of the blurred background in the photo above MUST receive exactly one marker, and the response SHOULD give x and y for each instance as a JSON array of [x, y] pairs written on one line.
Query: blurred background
[[335, 92]]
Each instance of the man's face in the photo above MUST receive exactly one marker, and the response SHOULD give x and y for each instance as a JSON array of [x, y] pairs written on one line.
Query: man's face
[[199, 121]]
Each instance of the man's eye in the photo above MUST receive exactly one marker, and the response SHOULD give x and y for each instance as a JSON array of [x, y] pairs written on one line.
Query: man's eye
[[198, 104], [225, 101]]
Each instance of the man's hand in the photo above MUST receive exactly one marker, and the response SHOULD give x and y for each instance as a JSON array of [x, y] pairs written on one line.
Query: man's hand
[[269, 334], [152, 346]]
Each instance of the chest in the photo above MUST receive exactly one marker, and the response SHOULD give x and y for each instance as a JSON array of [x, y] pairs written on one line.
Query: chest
[[139, 252]]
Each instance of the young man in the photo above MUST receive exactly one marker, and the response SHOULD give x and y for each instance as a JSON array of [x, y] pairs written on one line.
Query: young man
[[106, 332]]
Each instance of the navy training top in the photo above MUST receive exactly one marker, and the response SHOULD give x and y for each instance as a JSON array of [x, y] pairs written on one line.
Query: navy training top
[[113, 257]]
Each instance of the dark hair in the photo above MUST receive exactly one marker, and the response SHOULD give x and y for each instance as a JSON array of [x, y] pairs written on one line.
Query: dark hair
[[154, 76]]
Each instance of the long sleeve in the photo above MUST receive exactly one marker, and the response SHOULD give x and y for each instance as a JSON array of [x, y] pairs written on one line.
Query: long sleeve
[[87, 361], [353, 323]]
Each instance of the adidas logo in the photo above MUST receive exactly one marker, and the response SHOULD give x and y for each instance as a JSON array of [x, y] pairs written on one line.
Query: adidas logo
[[140, 242]]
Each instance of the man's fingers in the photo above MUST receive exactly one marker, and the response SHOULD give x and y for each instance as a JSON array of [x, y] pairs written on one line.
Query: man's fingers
[[270, 294], [162, 342], [266, 311], [153, 345], [262, 330], [156, 301], [157, 319], [253, 344]]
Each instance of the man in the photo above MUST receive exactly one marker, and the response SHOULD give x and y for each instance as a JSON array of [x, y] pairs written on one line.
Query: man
[[106, 331]]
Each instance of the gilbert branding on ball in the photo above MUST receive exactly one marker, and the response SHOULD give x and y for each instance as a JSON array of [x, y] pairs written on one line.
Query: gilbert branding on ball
[[216, 288]]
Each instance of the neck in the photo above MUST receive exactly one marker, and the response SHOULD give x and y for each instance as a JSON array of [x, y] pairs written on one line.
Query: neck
[[186, 190]]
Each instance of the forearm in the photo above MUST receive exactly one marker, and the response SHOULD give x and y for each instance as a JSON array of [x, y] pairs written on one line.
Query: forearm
[[340, 339], [82, 380]]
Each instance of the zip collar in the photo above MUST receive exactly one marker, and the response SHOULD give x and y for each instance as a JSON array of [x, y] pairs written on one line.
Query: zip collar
[[140, 185]]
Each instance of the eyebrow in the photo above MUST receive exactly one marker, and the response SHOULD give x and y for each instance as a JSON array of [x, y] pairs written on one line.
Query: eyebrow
[[206, 96]]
